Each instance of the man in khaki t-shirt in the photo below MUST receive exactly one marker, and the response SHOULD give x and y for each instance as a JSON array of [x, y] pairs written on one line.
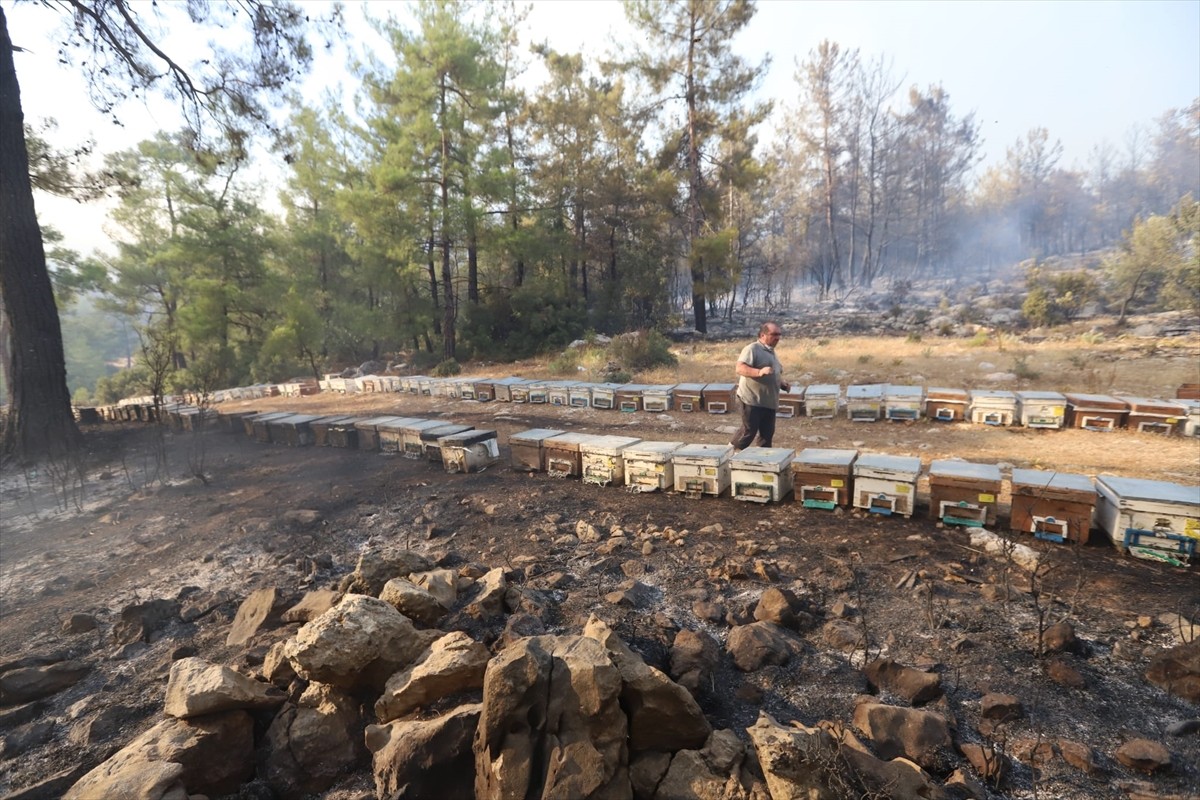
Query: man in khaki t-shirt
[[760, 378]]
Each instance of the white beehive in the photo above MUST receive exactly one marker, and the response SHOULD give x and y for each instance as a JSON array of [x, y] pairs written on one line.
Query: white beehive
[[1042, 409], [602, 459], [761, 474], [648, 466], [902, 403], [993, 407], [702, 469], [821, 400], [1151, 519], [864, 402], [886, 484]]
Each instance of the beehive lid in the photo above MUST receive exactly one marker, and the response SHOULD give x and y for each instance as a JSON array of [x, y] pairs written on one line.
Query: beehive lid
[[895, 392], [950, 468], [718, 452], [417, 426], [633, 388], [943, 393], [396, 423], [372, 423], [823, 390], [1048, 479], [608, 445], [899, 466], [296, 419], [534, 435], [865, 391], [1153, 404], [571, 442], [659, 388], [1145, 489], [994, 395], [652, 451], [332, 419], [794, 393], [467, 438], [266, 416], [561, 384], [435, 433], [826, 457], [769, 459], [719, 387], [1094, 400], [689, 388], [611, 387], [507, 381], [1042, 397], [581, 386]]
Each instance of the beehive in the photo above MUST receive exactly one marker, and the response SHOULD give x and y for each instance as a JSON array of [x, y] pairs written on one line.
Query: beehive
[[321, 426], [702, 469], [431, 438], [886, 484], [469, 451], [294, 430], [580, 395], [368, 431], [1042, 409], [687, 397], [389, 433], [1148, 415], [963, 493], [821, 400], [559, 392], [1151, 519], [657, 397], [527, 449], [604, 395], [603, 461], [902, 403], [520, 390], [1191, 425], [1056, 506], [629, 397], [259, 422], [761, 474], [1096, 412], [648, 466], [864, 402], [791, 403], [718, 397], [993, 407], [538, 392], [485, 390], [502, 389], [824, 477], [564, 454], [411, 445]]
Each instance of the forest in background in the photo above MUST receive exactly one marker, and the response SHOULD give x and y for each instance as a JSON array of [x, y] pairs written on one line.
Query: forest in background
[[460, 216]]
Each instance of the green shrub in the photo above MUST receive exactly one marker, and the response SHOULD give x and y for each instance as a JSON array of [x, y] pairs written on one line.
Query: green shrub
[[913, 337], [615, 376], [980, 339], [1038, 308], [447, 368], [566, 362], [422, 361], [921, 316], [1022, 369], [641, 351], [865, 358], [946, 329]]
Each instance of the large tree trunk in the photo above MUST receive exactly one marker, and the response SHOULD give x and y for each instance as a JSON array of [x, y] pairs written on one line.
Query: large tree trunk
[[39, 422]]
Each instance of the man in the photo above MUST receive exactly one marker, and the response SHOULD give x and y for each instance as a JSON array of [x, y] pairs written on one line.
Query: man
[[760, 378]]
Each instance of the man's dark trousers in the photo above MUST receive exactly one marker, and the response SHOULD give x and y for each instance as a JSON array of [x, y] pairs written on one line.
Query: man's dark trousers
[[755, 420]]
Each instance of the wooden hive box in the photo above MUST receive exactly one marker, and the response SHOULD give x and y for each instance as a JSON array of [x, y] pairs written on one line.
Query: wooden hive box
[[997, 407], [821, 400], [791, 403], [580, 395], [902, 403], [321, 425], [657, 398], [718, 397], [389, 432], [564, 454], [411, 445], [864, 402], [761, 474], [1150, 519], [688, 397], [527, 449], [469, 451], [629, 397], [604, 395], [1055, 506], [1096, 412], [1151, 415], [431, 438], [648, 466], [963, 493], [824, 477], [885, 484], [603, 460], [1042, 409], [702, 469]]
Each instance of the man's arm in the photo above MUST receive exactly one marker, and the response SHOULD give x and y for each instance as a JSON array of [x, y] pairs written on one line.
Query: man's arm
[[747, 371]]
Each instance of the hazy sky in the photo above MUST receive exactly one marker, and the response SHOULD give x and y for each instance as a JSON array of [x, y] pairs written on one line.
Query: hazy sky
[[1089, 72]]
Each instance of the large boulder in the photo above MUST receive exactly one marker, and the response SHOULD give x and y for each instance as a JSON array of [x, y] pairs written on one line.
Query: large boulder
[[920, 736], [713, 772], [142, 621], [760, 644], [210, 755], [361, 639], [552, 724], [412, 601], [196, 687], [694, 658], [441, 583], [1178, 671], [662, 714], [375, 568], [262, 609], [425, 758], [454, 663], [913, 685], [802, 763], [310, 744], [23, 684], [312, 605], [487, 601]]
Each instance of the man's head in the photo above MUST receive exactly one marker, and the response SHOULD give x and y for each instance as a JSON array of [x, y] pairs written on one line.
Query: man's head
[[769, 333]]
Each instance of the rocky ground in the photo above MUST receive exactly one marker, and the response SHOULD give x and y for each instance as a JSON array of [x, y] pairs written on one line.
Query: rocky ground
[[813, 647]]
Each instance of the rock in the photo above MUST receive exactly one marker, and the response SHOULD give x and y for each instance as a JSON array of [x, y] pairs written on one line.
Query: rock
[[646, 771], [196, 687], [55, 786], [441, 583], [711, 773], [552, 704], [360, 640], [309, 745], [1064, 674], [586, 532], [709, 612], [694, 658], [662, 714], [1021, 555], [375, 568], [209, 755], [960, 784], [302, 518], [632, 594], [23, 684], [1176, 670], [800, 763], [1078, 755], [258, 611], [425, 758], [519, 626], [79, 623], [990, 764], [758, 644], [453, 664], [1184, 727], [488, 600], [1037, 753], [844, 636], [1060, 638], [312, 605], [140, 621], [276, 669], [1182, 629], [1143, 755], [104, 725], [1001, 707], [412, 601], [15, 742], [921, 736], [913, 685], [199, 604]]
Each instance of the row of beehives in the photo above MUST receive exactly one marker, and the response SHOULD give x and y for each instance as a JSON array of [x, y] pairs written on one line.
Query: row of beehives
[[1153, 519], [861, 403]]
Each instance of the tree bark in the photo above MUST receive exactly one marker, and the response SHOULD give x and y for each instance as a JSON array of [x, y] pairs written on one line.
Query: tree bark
[[39, 423]]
